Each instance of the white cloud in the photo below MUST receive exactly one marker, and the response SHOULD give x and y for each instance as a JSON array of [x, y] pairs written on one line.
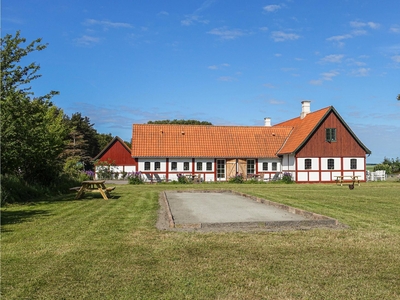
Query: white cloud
[[396, 58], [329, 75], [361, 72], [333, 58], [272, 7], [217, 67], [358, 24], [195, 17], [269, 85], [226, 78], [395, 29], [339, 39], [227, 34], [163, 13], [280, 36], [87, 40], [107, 24], [191, 19], [316, 82]]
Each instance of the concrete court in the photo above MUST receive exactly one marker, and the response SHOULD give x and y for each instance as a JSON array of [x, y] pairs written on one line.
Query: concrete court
[[190, 208]]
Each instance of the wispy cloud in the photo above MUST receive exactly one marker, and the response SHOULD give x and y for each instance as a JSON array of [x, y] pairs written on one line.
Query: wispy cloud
[[218, 67], [227, 78], [395, 29], [87, 40], [106, 24], [358, 24], [361, 72], [396, 58], [326, 76], [227, 34], [269, 85], [272, 7], [359, 30], [280, 36], [195, 17], [333, 58]]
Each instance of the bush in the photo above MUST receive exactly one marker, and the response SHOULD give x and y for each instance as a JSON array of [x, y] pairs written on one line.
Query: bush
[[287, 177], [135, 178], [236, 179], [182, 179]]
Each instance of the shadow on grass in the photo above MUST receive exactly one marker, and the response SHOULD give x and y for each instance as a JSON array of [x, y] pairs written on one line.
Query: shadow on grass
[[15, 217]]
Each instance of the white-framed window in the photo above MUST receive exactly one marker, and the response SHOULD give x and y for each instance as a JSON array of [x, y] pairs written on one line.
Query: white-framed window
[[265, 166], [157, 166], [274, 166], [209, 166], [199, 166], [147, 166]]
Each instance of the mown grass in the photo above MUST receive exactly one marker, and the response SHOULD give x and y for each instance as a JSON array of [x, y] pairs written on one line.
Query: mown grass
[[98, 249]]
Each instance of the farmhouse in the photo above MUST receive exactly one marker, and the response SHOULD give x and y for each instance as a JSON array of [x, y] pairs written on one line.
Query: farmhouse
[[115, 158], [314, 147]]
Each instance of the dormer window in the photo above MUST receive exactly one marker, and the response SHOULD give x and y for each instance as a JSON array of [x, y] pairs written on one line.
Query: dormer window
[[330, 134]]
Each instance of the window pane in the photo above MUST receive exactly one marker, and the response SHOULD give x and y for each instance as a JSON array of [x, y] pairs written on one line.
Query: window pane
[[147, 165], [353, 164], [265, 166], [274, 166], [331, 164], [209, 166], [157, 166], [250, 166], [307, 164], [174, 166], [330, 134], [186, 166], [199, 166]]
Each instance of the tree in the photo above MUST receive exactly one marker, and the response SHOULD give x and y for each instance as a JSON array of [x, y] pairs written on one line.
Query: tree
[[83, 142], [32, 129]]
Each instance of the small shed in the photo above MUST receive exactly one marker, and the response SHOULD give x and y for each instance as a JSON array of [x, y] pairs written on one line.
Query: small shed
[[115, 160]]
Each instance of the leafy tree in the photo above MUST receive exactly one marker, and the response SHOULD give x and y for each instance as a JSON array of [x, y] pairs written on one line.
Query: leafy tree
[[83, 140], [103, 140], [181, 122], [32, 128]]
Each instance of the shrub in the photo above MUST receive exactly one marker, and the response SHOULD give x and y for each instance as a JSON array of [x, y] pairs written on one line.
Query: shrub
[[135, 178], [287, 177], [236, 179], [182, 179]]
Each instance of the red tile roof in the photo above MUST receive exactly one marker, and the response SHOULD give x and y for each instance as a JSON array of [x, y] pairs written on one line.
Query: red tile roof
[[161, 140], [302, 128]]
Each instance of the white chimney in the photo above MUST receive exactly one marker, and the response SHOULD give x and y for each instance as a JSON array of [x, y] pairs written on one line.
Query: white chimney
[[305, 108], [267, 122]]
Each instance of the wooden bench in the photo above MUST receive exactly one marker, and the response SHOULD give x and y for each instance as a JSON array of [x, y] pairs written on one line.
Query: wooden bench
[[111, 188], [351, 180], [75, 188]]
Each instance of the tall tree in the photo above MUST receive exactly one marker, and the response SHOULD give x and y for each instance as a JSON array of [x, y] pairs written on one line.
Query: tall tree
[[32, 128]]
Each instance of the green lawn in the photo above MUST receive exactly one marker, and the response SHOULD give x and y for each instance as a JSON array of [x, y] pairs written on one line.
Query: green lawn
[[111, 249]]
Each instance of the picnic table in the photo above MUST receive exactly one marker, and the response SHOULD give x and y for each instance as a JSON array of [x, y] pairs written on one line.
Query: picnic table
[[347, 179], [93, 186]]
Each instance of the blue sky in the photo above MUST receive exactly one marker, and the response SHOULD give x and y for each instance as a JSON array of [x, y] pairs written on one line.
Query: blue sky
[[227, 62]]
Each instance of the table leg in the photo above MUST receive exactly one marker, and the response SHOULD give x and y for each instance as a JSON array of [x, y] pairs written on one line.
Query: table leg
[[81, 192]]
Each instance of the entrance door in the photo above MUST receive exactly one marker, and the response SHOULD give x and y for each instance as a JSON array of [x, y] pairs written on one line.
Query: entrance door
[[220, 169]]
